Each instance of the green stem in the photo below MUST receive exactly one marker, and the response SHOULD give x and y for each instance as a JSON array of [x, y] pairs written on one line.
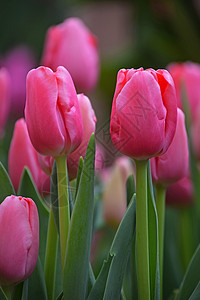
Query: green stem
[[160, 205], [187, 244], [51, 256], [64, 213], [142, 231]]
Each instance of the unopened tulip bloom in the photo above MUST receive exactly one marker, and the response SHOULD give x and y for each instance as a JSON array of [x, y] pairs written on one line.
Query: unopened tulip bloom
[[23, 154], [4, 98], [18, 61], [19, 242], [73, 46], [173, 165], [186, 78], [180, 193], [144, 112], [89, 125], [114, 194], [52, 112]]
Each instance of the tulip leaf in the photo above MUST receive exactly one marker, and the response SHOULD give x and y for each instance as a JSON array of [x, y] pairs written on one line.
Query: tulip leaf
[[109, 282], [196, 294], [153, 240], [76, 267], [6, 186], [191, 278], [130, 188], [60, 297], [28, 189], [98, 289], [36, 284], [20, 291], [80, 169]]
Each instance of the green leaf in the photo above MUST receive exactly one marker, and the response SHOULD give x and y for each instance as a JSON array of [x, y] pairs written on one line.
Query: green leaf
[[153, 240], [130, 188], [6, 186], [28, 189], [121, 249], [196, 294], [60, 297], [191, 278], [36, 284], [80, 169], [97, 292], [80, 233], [109, 282]]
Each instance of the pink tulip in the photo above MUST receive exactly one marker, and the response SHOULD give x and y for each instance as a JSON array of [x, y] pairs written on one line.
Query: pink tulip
[[4, 98], [73, 46], [18, 61], [180, 193], [99, 158], [187, 76], [144, 112], [173, 165], [114, 194], [46, 163], [21, 154], [89, 124], [52, 112], [19, 242]]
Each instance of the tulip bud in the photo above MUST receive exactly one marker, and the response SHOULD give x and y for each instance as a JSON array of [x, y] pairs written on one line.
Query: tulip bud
[[173, 165], [114, 194], [23, 154], [52, 112], [89, 124], [4, 98], [144, 112], [19, 242], [73, 46], [186, 75], [180, 193]]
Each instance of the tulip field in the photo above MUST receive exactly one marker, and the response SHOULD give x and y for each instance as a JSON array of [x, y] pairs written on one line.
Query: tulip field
[[92, 207]]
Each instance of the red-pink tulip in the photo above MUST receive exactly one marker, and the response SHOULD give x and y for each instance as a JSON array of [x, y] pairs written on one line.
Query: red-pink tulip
[[180, 193], [73, 46], [173, 165], [144, 112], [18, 61], [19, 242], [4, 98], [187, 76], [89, 124], [21, 154], [52, 112]]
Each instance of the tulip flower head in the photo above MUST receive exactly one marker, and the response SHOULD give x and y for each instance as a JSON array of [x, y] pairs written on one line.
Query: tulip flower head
[[180, 193], [52, 112], [89, 125], [19, 243], [23, 154], [173, 165], [144, 112], [73, 46], [186, 78]]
